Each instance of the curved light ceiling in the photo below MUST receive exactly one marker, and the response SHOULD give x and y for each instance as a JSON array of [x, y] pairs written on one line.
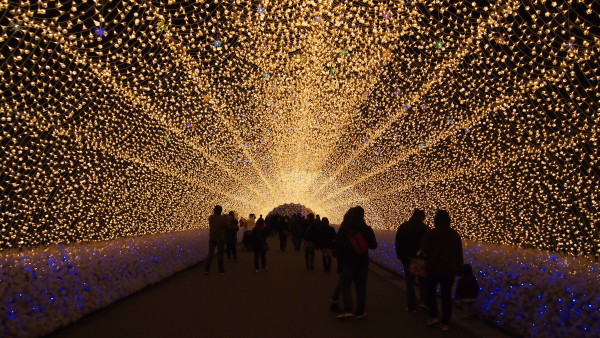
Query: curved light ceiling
[[122, 118]]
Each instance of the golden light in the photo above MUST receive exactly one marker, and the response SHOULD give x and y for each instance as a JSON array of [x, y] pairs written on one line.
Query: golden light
[[121, 118]]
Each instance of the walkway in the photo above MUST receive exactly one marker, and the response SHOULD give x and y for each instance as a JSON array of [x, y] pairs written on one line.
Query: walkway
[[286, 301]]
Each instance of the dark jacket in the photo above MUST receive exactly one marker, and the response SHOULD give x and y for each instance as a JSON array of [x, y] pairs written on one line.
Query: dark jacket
[[284, 229], [259, 237], [231, 231], [442, 249], [467, 287], [325, 237], [409, 237], [311, 231], [345, 252], [217, 225]]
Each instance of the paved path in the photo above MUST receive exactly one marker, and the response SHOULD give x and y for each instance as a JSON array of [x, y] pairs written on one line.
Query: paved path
[[286, 301]]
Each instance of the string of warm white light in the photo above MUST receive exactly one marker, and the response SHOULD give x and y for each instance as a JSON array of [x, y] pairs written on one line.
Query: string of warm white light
[[121, 118]]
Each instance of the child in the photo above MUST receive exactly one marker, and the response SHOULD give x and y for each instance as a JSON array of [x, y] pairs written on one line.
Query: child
[[467, 290]]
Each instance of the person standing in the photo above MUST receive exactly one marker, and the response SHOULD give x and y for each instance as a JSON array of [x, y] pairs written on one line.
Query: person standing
[[353, 242], [336, 246], [248, 226], [326, 236], [259, 239], [408, 242], [442, 249], [216, 238], [231, 237]]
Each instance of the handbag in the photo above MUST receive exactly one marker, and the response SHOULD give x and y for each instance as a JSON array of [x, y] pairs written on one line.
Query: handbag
[[417, 265]]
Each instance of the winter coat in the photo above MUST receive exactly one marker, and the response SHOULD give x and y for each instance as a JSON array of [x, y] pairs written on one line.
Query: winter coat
[[409, 237], [344, 251], [311, 231], [231, 231], [259, 237], [442, 249], [325, 237], [217, 225]]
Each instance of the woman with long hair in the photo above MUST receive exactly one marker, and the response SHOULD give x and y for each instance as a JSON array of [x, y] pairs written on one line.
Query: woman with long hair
[[353, 242]]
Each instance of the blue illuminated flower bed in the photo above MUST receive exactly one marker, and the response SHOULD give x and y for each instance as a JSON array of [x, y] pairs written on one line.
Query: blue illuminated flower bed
[[44, 288]]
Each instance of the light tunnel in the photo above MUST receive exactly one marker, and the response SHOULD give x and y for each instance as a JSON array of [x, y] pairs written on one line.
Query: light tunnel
[[129, 118]]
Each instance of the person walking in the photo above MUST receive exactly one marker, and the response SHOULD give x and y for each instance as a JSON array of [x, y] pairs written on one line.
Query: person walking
[[408, 242], [310, 236], [259, 239], [231, 237], [216, 238], [296, 229], [325, 237], [284, 231], [442, 249], [353, 242]]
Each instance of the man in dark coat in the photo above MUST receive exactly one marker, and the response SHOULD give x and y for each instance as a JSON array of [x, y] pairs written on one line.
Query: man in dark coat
[[217, 224], [442, 248], [408, 242], [326, 236]]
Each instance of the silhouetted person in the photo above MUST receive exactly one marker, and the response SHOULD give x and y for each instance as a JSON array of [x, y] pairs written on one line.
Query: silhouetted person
[[408, 242], [325, 237], [296, 229], [259, 239], [284, 231], [442, 248], [217, 224], [261, 218], [338, 288], [310, 236], [353, 242], [272, 223], [248, 227], [467, 290], [231, 237]]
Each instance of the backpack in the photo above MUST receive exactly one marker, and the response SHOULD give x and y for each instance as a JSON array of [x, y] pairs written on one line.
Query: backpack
[[357, 242]]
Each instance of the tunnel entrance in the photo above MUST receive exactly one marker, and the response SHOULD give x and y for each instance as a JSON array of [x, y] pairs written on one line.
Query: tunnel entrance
[[289, 209]]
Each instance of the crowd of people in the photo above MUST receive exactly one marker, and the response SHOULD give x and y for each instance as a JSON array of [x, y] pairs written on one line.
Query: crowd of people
[[430, 257]]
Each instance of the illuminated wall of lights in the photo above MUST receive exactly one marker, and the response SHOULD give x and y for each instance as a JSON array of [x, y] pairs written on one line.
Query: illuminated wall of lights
[[120, 118]]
